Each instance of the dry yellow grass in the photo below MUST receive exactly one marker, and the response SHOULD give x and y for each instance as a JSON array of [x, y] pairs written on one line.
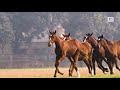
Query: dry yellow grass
[[46, 73]]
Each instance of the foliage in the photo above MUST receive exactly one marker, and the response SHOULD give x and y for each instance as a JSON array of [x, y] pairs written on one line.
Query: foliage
[[14, 24]]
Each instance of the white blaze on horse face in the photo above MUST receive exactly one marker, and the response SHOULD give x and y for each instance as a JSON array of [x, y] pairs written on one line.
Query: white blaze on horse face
[[64, 38], [50, 38], [85, 39], [61, 36], [99, 39], [78, 73]]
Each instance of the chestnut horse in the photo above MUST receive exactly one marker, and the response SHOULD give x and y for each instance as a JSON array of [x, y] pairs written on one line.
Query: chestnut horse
[[63, 49], [111, 52], [66, 36], [117, 44], [86, 48], [98, 52]]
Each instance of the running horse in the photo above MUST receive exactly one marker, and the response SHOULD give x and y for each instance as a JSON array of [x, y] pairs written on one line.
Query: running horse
[[86, 48], [98, 52], [111, 52], [66, 36], [63, 49]]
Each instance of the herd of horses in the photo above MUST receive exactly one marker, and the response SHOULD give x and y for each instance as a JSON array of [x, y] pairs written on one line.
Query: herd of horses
[[90, 50]]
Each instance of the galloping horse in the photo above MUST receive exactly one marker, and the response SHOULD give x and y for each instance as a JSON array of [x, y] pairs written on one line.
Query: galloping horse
[[98, 52], [111, 52], [63, 49], [66, 36], [86, 48], [117, 44]]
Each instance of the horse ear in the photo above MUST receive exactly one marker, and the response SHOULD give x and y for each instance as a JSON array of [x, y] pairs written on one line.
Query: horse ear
[[102, 36], [50, 32], [68, 34], [63, 35], [55, 32], [87, 34], [91, 34]]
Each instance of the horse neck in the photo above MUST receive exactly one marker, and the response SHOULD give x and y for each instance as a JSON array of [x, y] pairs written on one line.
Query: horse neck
[[106, 45], [117, 42], [94, 43], [69, 38], [58, 42]]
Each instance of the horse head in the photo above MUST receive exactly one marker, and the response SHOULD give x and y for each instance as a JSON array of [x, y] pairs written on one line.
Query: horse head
[[100, 37], [66, 36], [87, 37], [52, 38], [101, 40]]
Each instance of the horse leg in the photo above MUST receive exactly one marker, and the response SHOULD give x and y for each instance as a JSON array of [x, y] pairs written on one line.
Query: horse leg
[[116, 63], [105, 59], [91, 66], [93, 61], [113, 63], [71, 60], [101, 66], [88, 65], [58, 60], [74, 66], [76, 69], [110, 65], [95, 58]]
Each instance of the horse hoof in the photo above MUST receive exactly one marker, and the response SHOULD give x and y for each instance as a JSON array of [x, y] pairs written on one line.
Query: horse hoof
[[62, 73], [79, 76], [112, 73], [105, 72], [55, 76]]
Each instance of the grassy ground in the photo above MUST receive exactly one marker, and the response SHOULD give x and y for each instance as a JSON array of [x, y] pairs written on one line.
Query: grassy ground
[[49, 72]]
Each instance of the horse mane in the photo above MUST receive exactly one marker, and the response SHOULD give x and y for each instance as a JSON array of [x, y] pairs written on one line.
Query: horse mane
[[109, 42], [60, 37], [95, 38], [118, 42], [95, 43]]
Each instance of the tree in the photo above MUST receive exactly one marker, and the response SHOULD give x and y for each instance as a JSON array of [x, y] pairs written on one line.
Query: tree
[[6, 31]]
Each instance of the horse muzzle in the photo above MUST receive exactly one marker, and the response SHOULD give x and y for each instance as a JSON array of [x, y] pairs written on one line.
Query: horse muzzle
[[49, 44]]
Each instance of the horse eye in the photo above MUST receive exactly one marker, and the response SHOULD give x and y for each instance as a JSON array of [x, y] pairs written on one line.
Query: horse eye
[[99, 39]]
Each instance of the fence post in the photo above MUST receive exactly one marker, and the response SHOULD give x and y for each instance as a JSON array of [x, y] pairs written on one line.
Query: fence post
[[11, 60], [35, 57]]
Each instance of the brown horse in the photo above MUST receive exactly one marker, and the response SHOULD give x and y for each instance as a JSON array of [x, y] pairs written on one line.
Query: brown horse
[[98, 52], [66, 36], [117, 44], [63, 49], [111, 52], [86, 48]]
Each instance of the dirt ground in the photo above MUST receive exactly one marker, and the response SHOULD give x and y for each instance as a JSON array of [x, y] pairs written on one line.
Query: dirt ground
[[44, 73]]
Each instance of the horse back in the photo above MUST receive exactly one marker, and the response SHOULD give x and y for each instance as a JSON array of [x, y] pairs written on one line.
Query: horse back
[[117, 44], [70, 46], [86, 45], [85, 48]]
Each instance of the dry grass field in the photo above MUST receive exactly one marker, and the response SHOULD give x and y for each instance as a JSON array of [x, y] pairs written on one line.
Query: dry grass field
[[49, 72]]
